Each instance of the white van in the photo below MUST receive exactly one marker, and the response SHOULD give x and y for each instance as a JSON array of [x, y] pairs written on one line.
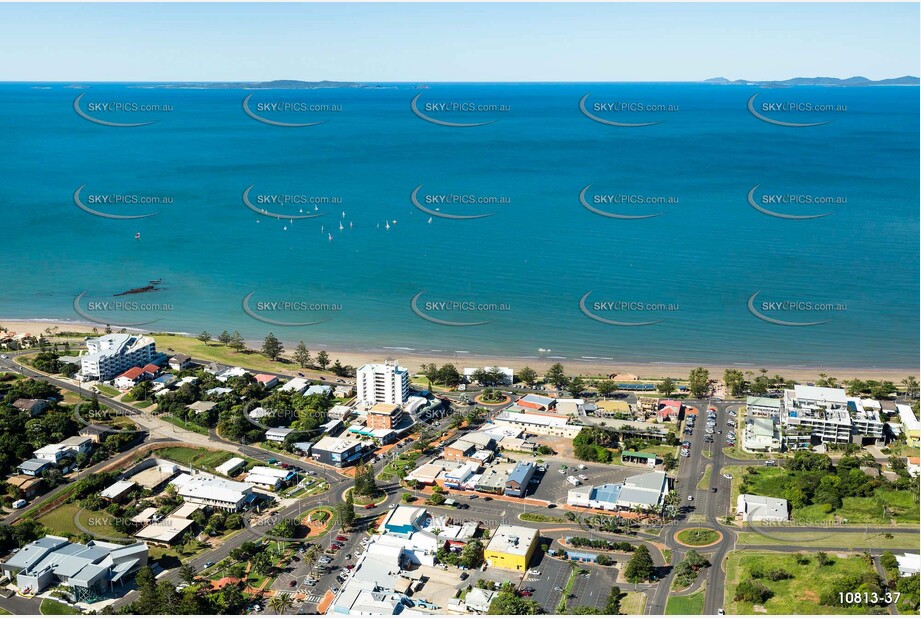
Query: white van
[[19, 504], [573, 481]]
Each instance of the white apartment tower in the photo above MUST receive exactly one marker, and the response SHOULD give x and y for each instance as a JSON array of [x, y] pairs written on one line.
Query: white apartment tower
[[111, 355], [383, 383]]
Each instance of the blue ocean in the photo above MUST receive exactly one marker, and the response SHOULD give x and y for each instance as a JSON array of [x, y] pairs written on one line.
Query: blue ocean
[[668, 257]]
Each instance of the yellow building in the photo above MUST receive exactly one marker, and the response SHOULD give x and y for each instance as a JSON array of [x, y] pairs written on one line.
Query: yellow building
[[511, 547]]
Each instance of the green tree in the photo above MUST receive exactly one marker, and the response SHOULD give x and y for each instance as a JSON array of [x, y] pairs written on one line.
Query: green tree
[[204, 336], [346, 511], [641, 567], [528, 376], [735, 381], [281, 603], [699, 382], [667, 386], [508, 603], [236, 342], [302, 355], [606, 388], [272, 347], [910, 385], [612, 607], [224, 337], [556, 375], [322, 359], [187, 573], [576, 386]]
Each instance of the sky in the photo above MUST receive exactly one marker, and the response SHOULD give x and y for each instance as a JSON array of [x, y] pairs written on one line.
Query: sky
[[456, 42]]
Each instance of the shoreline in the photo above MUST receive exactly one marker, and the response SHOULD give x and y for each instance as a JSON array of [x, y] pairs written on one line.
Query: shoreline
[[412, 359]]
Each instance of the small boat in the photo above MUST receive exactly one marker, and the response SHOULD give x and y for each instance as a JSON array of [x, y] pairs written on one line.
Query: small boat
[[285, 228], [315, 208], [137, 236], [322, 228], [340, 226], [343, 214], [351, 225], [430, 219], [387, 225], [330, 237]]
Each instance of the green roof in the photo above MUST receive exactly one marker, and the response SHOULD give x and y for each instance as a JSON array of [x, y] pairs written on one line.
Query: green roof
[[638, 454]]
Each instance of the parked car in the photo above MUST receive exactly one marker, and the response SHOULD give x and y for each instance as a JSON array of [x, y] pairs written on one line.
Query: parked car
[[19, 504], [370, 505]]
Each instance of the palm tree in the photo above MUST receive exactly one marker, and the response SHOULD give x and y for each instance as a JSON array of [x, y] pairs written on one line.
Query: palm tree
[[281, 602]]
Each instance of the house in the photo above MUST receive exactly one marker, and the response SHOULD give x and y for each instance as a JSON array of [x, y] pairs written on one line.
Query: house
[[88, 570], [511, 547], [753, 508], [479, 600], [27, 486], [118, 491], [761, 434], [909, 564], [910, 424], [324, 390], [225, 373], [164, 381], [669, 409], [303, 447], [295, 385], [166, 532], [536, 402], [178, 362], [332, 428], [267, 380], [268, 477], [231, 466], [516, 485], [338, 452], [95, 433], [33, 467], [33, 406], [202, 407], [277, 434], [913, 465], [340, 412], [218, 391], [130, 378], [343, 391], [638, 458]]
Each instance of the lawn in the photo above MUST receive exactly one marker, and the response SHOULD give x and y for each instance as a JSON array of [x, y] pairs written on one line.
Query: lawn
[[883, 506], [200, 457], [633, 604], [404, 463], [704, 482], [800, 594], [692, 604], [61, 520], [539, 518], [56, 608], [184, 425], [698, 537], [108, 390], [218, 352], [833, 538]]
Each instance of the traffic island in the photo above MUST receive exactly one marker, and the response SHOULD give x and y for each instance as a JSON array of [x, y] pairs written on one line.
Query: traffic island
[[699, 537]]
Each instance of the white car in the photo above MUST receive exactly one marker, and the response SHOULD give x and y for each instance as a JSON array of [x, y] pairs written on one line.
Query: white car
[[727, 476], [583, 477], [690, 498]]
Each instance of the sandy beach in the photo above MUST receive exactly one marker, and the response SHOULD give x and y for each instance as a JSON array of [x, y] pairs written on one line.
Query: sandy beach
[[581, 366]]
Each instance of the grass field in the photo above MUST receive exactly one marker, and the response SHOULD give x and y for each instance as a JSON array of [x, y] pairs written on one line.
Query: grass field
[[832, 538], [633, 604], [221, 353], [800, 594], [55, 608], [698, 536], [691, 605], [705, 479], [184, 425], [108, 390], [881, 508], [61, 520], [200, 457]]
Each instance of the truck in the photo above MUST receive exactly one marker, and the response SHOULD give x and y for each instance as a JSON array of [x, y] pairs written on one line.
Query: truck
[[573, 481]]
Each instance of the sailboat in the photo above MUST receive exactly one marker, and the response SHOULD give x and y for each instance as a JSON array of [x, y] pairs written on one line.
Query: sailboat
[[387, 225], [430, 219], [343, 214], [351, 225], [330, 238], [340, 226]]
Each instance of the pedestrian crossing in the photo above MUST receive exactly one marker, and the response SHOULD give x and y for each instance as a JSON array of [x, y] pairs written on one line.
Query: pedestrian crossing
[[311, 598]]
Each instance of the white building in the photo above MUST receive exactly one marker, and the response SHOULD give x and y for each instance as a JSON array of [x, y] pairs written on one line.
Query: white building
[[209, 490], [644, 491], [761, 508], [826, 415], [71, 447], [909, 564], [114, 354], [295, 385], [383, 383], [231, 466], [761, 435]]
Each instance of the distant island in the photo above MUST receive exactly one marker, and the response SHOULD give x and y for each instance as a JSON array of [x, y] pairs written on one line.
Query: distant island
[[907, 80], [278, 84]]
